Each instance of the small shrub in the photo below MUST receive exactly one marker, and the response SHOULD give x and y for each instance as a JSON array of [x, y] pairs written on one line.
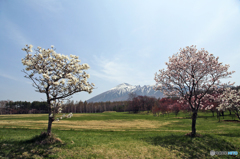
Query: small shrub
[[44, 139]]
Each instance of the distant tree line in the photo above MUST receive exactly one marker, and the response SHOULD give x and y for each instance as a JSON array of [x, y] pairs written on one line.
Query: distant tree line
[[36, 107], [134, 104], [97, 107], [22, 107]]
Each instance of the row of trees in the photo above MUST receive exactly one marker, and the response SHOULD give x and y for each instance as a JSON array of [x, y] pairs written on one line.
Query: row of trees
[[138, 103], [169, 105], [133, 104], [22, 107], [97, 107]]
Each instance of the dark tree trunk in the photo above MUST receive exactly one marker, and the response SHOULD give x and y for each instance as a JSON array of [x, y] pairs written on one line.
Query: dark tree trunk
[[194, 119], [218, 116], [238, 116], [49, 130], [212, 112], [50, 119]]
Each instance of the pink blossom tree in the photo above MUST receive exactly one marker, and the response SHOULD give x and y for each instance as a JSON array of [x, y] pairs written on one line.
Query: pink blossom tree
[[230, 99], [213, 102], [189, 72], [48, 71], [175, 108]]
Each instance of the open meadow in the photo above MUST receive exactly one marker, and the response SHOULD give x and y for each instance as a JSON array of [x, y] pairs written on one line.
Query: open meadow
[[119, 135]]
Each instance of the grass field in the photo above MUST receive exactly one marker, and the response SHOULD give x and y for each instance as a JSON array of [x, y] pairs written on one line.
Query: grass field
[[118, 135]]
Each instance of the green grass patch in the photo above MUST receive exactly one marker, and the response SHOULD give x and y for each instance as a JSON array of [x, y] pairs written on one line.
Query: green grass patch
[[117, 135]]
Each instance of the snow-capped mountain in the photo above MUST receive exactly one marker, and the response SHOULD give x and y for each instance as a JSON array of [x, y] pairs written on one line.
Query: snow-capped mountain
[[120, 93]]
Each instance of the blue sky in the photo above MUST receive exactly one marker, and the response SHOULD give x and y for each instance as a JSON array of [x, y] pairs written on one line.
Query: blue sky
[[121, 40]]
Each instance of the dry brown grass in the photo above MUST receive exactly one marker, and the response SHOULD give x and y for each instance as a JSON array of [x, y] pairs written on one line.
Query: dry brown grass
[[37, 115], [87, 124], [110, 124], [24, 123], [21, 115]]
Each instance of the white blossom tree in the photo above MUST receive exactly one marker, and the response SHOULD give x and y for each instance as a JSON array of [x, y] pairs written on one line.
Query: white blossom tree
[[188, 73], [56, 75], [230, 99]]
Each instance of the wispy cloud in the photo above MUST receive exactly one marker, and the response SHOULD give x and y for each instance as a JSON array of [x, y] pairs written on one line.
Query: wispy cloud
[[118, 71], [54, 6], [14, 33], [12, 78], [111, 69], [8, 76]]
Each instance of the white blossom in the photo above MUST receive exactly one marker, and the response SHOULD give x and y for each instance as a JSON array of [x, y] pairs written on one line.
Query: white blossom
[[29, 63], [50, 65], [46, 76], [56, 83], [54, 77], [63, 81]]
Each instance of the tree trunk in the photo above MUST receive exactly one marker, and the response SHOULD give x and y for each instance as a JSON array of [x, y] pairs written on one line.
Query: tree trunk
[[218, 116], [194, 119], [49, 130], [238, 116], [50, 119]]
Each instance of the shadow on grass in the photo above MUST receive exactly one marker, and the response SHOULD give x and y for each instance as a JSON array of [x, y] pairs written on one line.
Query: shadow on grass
[[38, 147], [198, 147], [237, 134], [203, 117]]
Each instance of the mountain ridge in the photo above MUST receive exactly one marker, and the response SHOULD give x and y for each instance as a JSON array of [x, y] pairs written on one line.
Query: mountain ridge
[[121, 91]]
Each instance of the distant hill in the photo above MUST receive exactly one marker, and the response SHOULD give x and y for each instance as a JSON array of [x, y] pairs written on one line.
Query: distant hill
[[121, 91]]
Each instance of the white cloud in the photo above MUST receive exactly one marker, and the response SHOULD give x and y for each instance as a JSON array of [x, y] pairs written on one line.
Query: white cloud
[[8, 76], [14, 33], [54, 6], [13, 78], [118, 71]]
